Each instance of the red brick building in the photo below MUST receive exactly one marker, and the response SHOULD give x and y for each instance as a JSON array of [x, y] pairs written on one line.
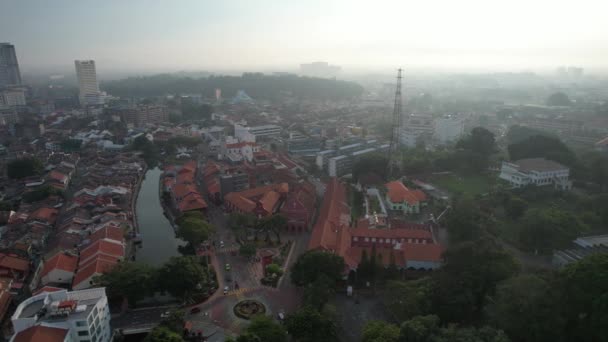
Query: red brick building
[[413, 246]]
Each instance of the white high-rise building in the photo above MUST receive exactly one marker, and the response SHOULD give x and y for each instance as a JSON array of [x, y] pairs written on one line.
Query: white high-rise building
[[448, 128], [76, 316], [88, 87]]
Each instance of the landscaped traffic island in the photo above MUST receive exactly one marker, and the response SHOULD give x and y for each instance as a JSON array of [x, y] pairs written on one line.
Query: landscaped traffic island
[[246, 309]]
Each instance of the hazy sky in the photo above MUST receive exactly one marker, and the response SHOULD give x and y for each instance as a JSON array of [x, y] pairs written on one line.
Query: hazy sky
[[281, 34]]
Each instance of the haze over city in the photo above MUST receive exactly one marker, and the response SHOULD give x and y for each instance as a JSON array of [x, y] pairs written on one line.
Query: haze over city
[[269, 35], [303, 171]]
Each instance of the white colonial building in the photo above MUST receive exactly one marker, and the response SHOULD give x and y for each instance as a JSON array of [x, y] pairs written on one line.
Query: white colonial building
[[536, 172], [77, 316]]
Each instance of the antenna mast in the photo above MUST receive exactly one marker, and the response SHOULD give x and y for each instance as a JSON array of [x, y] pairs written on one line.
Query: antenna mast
[[396, 127]]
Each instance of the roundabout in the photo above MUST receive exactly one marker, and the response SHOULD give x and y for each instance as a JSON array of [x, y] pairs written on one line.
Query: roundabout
[[248, 308]]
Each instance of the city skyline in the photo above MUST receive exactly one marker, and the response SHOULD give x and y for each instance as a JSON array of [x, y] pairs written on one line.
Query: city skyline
[[270, 35]]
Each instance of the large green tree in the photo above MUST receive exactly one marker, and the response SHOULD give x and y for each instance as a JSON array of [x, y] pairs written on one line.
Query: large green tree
[[194, 230], [318, 293], [406, 299], [470, 274], [545, 229], [131, 280], [464, 220], [584, 298], [272, 224], [315, 264], [427, 329], [180, 276], [163, 334], [239, 224], [24, 167], [558, 99], [527, 309], [380, 331], [263, 329], [480, 141], [310, 325], [542, 146]]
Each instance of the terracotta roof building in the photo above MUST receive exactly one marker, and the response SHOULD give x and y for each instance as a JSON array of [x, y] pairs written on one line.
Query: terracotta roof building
[[399, 197], [412, 246], [299, 207], [59, 269], [40, 333], [261, 201]]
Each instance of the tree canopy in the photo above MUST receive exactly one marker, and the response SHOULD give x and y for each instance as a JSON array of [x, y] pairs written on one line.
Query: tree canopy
[[480, 141], [316, 264], [194, 230], [180, 276], [380, 331], [163, 334], [470, 273], [545, 229], [24, 167], [257, 85], [542, 146], [558, 99], [524, 308], [310, 325], [263, 329], [128, 279]]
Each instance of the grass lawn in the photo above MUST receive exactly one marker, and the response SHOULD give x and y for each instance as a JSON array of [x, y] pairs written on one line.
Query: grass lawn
[[471, 184]]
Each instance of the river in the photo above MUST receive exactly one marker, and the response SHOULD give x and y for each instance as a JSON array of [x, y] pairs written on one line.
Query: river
[[159, 241]]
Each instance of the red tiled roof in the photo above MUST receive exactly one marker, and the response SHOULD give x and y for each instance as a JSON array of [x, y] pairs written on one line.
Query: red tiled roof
[[397, 192], [60, 261], [334, 216], [14, 263], [57, 176], [213, 186], [102, 247], [109, 232], [422, 252], [181, 190], [392, 233], [267, 195], [40, 333], [192, 201], [98, 266], [269, 200], [48, 215]]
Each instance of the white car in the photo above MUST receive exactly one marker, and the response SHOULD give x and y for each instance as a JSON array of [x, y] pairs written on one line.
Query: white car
[[226, 289]]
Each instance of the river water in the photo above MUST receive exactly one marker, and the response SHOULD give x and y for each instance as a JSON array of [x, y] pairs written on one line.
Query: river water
[[159, 241]]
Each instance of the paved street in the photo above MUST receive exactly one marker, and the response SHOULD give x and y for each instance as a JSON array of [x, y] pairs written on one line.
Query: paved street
[[140, 318]]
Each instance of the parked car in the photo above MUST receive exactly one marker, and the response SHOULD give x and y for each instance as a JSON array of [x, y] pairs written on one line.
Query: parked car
[[195, 310], [227, 267], [164, 314], [226, 289]]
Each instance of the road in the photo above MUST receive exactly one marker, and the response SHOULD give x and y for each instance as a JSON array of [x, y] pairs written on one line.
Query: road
[[144, 318]]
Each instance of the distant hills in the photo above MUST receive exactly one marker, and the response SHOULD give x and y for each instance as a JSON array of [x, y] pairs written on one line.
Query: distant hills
[[256, 85]]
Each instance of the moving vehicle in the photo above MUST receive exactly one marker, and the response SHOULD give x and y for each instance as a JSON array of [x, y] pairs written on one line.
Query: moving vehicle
[[226, 289]]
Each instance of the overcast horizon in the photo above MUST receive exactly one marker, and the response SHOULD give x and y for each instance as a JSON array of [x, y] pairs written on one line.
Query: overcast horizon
[[160, 36]]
